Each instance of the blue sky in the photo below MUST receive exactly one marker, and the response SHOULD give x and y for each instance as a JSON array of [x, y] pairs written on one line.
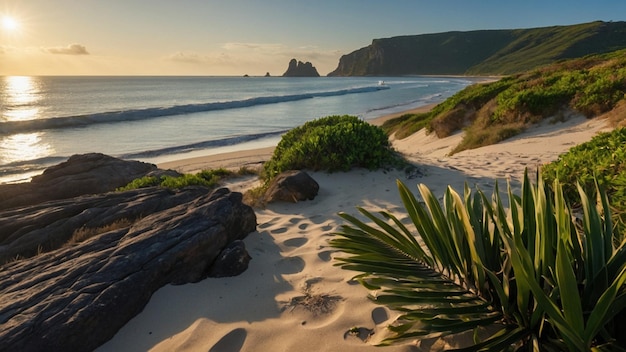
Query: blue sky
[[236, 37]]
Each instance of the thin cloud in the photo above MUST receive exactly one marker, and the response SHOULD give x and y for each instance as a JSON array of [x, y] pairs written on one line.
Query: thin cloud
[[197, 58], [254, 46], [72, 49]]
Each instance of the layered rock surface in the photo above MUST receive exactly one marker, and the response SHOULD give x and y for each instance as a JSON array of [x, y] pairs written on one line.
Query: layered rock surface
[[78, 296], [81, 174], [73, 271]]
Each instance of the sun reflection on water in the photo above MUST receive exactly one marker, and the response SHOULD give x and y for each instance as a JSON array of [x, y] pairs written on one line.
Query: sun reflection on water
[[22, 147], [20, 95]]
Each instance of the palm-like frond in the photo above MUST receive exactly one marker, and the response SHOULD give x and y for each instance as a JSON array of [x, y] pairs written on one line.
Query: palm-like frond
[[547, 281], [437, 285]]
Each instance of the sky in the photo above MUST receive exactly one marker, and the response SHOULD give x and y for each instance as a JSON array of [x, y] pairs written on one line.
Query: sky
[[237, 37]]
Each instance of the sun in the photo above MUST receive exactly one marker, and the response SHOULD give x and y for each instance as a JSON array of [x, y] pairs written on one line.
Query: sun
[[9, 24]]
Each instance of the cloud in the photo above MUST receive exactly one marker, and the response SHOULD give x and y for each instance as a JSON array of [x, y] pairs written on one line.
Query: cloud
[[197, 58], [72, 49], [254, 46]]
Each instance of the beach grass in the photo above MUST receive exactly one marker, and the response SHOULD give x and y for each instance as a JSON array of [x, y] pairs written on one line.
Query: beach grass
[[492, 112]]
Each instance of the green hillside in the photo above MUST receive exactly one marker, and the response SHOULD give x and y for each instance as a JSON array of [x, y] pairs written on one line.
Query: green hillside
[[489, 113], [486, 52]]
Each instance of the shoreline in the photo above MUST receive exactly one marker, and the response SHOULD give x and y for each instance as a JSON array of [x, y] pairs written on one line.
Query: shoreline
[[255, 156]]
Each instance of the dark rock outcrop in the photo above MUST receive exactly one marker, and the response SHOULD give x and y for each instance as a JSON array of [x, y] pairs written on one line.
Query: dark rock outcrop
[[81, 174], [232, 261], [78, 296], [291, 186], [27, 231], [300, 69]]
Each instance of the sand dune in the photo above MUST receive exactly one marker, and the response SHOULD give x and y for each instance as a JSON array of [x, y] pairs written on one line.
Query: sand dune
[[293, 298]]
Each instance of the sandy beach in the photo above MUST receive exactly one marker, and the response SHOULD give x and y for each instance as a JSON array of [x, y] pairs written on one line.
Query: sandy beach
[[292, 297]]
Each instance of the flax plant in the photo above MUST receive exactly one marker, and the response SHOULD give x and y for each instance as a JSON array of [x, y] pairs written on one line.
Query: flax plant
[[539, 277]]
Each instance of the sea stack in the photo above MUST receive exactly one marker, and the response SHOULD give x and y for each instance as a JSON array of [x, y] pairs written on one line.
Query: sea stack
[[300, 69]]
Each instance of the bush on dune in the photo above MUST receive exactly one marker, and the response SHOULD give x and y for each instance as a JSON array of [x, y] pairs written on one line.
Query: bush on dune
[[332, 143]]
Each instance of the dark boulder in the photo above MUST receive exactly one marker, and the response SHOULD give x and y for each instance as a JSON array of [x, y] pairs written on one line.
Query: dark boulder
[[78, 296], [300, 69], [81, 174], [291, 186], [232, 261]]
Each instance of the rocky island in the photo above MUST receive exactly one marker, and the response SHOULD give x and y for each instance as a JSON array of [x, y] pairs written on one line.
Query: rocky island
[[300, 69]]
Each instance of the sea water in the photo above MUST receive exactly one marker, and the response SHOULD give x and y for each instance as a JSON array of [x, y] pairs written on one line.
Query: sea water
[[45, 120]]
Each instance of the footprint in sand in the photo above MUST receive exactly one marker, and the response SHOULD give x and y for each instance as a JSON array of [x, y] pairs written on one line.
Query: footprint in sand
[[268, 223], [233, 341], [295, 242], [278, 230], [317, 219], [295, 220], [325, 255], [327, 228], [379, 315], [290, 265]]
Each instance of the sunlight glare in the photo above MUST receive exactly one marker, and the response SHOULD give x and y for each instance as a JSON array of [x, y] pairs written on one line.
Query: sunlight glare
[[9, 24], [23, 146], [20, 95]]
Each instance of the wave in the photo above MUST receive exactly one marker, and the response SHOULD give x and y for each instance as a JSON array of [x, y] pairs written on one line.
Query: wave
[[425, 100], [8, 127], [35, 166], [20, 167], [201, 145]]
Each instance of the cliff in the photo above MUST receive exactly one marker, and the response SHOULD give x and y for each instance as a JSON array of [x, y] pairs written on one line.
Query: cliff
[[484, 52], [300, 69]]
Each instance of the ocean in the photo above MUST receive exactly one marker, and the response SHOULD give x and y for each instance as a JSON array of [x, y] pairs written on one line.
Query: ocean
[[45, 120]]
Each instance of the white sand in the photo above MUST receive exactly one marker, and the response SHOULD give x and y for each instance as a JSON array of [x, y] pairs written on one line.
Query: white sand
[[291, 256]]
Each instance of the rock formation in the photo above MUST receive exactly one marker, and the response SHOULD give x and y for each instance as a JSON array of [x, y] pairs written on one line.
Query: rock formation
[[73, 271], [81, 174], [300, 69], [291, 186], [78, 296]]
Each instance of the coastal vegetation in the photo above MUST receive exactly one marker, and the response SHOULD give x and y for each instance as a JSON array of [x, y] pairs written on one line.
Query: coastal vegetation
[[483, 52], [492, 112], [207, 178], [527, 276], [602, 159], [331, 143]]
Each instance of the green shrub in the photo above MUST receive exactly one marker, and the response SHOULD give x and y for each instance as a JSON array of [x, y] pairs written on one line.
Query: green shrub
[[206, 178], [332, 143], [187, 180], [602, 158], [143, 182]]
